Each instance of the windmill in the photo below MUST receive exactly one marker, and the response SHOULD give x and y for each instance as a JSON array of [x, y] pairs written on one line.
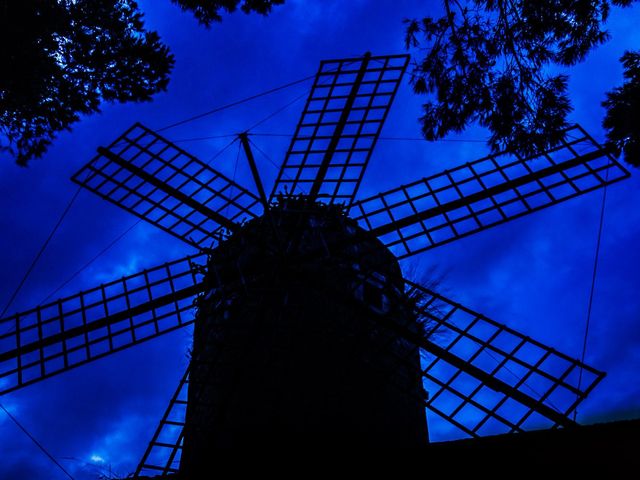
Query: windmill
[[305, 329]]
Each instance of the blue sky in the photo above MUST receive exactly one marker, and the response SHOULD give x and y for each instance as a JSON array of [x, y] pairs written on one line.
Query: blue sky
[[533, 274]]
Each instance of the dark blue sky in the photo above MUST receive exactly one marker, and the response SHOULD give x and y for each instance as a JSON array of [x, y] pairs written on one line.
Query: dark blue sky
[[533, 274]]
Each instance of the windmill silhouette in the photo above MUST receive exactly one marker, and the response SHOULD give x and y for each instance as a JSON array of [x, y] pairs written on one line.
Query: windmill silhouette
[[305, 329]]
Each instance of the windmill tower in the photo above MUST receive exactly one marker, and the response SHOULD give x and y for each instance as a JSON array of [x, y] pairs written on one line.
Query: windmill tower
[[305, 330]]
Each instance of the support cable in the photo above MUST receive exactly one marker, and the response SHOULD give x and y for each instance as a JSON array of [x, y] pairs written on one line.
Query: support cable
[[269, 159], [233, 104], [244, 100], [264, 154], [42, 249], [36, 442], [233, 178], [115, 240], [86, 265], [593, 283], [284, 107]]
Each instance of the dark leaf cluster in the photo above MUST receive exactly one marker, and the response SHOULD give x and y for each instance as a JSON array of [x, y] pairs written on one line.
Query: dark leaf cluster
[[62, 59], [623, 107], [208, 11], [484, 62]]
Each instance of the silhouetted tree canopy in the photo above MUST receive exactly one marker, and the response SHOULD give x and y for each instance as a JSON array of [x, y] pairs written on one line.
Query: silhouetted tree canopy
[[623, 108], [61, 59], [484, 61], [208, 11]]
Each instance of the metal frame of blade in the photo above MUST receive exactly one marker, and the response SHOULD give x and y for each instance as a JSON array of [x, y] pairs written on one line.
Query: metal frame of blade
[[487, 192], [159, 182], [339, 127], [55, 337], [487, 375], [164, 450]]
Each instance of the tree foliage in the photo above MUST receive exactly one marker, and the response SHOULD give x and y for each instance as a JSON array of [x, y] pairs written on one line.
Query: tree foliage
[[62, 58], [485, 61], [208, 11], [623, 108]]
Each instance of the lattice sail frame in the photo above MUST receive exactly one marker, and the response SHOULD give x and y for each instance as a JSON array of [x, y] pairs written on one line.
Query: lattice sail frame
[[469, 364], [75, 330], [487, 192], [491, 353], [163, 454], [159, 182], [339, 127]]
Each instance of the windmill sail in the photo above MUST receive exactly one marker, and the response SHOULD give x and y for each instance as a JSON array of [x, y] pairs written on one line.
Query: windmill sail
[[486, 378], [488, 192], [479, 375], [339, 127], [55, 337], [162, 456], [159, 182]]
